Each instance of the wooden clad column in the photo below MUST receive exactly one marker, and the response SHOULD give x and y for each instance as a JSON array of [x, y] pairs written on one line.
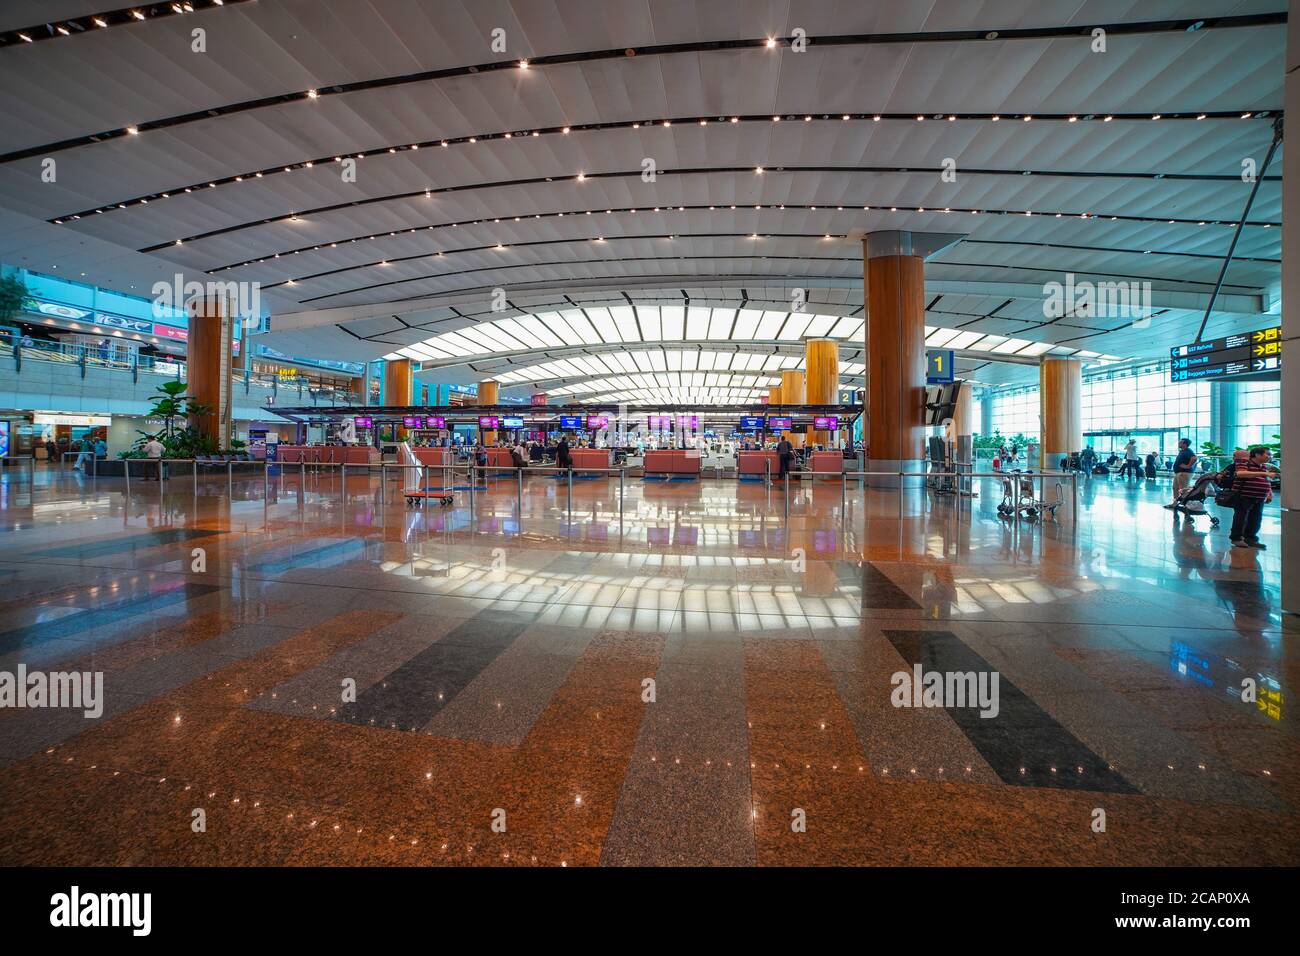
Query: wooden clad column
[[489, 393], [792, 393], [895, 345], [397, 387], [822, 360], [1060, 409], [208, 366]]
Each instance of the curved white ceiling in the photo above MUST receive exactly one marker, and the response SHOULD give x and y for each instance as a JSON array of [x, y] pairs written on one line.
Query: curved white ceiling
[[539, 190]]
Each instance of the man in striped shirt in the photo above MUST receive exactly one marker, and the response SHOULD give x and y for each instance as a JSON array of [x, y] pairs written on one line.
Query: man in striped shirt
[[1250, 488]]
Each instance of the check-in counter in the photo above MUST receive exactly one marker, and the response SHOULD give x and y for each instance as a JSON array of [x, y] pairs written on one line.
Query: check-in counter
[[757, 463], [498, 460], [328, 454], [433, 456], [672, 462], [832, 461], [590, 458]]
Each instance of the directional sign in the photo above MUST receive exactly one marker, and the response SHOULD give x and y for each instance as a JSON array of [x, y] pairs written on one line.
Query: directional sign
[[939, 366], [1245, 355]]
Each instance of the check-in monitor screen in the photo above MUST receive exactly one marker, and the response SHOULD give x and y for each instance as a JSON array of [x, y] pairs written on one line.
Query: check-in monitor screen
[[571, 421], [512, 423], [490, 422], [826, 423], [784, 424]]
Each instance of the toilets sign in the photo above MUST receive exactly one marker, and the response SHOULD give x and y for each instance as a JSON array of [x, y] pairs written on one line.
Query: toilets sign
[[1249, 356]]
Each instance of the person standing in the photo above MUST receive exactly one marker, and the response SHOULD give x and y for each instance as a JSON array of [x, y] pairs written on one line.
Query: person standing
[[562, 457], [1184, 466], [1131, 467], [1251, 488], [153, 450], [85, 450], [784, 453]]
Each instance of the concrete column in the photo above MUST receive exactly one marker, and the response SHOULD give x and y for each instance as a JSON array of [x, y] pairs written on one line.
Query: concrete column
[[894, 280], [209, 362], [489, 393], [1291, 321], [822, 362], [1224, 406], [792, 393], [1060, 410]]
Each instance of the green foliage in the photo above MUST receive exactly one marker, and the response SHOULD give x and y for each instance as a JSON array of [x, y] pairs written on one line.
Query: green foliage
[[184, 442], [1211, 450], [997, 440], [14, 295]]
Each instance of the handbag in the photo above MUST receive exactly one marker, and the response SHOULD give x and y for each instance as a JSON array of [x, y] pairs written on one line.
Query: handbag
[[1225, 499]]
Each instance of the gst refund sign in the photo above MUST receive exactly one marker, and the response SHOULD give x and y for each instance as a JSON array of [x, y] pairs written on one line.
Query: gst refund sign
[[1246, 355]]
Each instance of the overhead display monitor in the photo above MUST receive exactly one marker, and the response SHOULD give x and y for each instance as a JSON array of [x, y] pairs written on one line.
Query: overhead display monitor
[[780, 423], [364, 422], [660, 422], [411, 421], [432, 421], [570, 421], [510, 422], [826, 423], [597, 421], [751, 423], [1250, 356], [489, 422]]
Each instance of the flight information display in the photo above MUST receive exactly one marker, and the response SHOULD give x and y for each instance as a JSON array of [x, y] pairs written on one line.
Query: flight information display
[[1245, 355], [776, 423], [512, 423], [751, 423], [571, 421]]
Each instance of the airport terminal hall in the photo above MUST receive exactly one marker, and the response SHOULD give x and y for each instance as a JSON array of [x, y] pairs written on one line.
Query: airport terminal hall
[[649, 433]]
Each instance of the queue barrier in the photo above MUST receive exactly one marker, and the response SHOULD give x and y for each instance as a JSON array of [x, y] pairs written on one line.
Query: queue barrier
[[962, 479]]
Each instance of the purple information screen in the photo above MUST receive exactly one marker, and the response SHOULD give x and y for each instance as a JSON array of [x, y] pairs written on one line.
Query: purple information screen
[[826, 423], [597, 421], [433, 422], [364, 422], [661, 422], [411, 421], [490, 422], [784, 424]]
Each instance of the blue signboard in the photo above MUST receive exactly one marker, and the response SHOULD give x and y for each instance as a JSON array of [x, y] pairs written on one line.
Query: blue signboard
[[571, 421], [751, 423], [938, 366]]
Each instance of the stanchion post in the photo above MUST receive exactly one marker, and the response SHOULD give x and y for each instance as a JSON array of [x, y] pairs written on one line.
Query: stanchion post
[[126, 470], [519, 492], [622, 475], [570, 475]]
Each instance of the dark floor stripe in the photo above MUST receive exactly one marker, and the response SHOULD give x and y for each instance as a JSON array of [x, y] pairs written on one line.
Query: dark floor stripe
[[878, 591], [129, 543], [1022, 737], [33, 635], [410, 696]]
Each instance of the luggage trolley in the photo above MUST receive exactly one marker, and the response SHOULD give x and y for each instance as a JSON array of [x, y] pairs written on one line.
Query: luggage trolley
[[1019, 497]]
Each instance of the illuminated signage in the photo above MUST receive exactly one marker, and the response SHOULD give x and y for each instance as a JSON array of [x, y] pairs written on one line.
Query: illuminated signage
[[509, 422], [1256, 355], [828, 423], [570, 421], [489, 422], [597, 421], [783, 424], [364, 422], [751, 423], [434, 422]]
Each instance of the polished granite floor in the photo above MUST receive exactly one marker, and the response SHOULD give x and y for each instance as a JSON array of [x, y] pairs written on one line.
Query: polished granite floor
[[702, 676]]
